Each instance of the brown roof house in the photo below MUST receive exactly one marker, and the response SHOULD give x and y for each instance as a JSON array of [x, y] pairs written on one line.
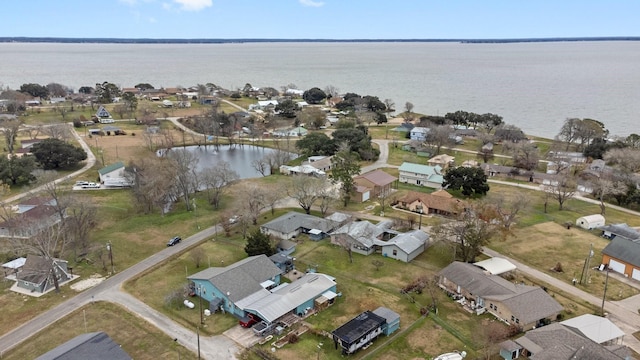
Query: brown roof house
[[442, 160], [516, 304], [370, 185], [28, 218], [439, 202], [38, 273]]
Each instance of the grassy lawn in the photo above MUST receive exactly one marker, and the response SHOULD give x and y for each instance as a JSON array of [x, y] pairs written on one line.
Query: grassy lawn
[[136, 337]]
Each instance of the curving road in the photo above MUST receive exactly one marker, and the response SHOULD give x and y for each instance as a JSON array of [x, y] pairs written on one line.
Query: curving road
[[624, 313]]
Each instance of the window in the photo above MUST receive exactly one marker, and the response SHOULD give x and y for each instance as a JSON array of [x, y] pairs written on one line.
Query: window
[[513, 318], [395, 252], [417, 182], [517, 321]]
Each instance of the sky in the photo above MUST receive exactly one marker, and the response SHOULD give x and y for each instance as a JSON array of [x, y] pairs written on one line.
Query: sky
[[319, 19]]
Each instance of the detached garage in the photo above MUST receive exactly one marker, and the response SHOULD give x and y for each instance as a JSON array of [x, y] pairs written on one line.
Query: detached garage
[[623, 256], [590, 221]]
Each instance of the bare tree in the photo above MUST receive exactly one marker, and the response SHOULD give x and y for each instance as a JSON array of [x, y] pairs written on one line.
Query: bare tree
[[197, 255], [272, 197], [313, 117], [216, 180], [331, 91], [306, 190], [82, 216], [252, 200], [57, 131], [153, 179], [377, 264], [627, 159], [439, 136], [525, 155], [604, 187], [508, 210], [328, 197], [563, 189], [10, 128], [261, 166], [186, 180]]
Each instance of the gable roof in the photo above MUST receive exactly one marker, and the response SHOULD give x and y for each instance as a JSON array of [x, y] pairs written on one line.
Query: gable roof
[[623, 230], [286, 298], [377, 177], [557, 342], [240, 279], [102, 112], [37, 269], [95, 345], [420, 169], [596, 328], [363, 232], [624, 249], [496, 265], [292, 221], [407, 242], [527, 303], [110, 168], [440, 200]]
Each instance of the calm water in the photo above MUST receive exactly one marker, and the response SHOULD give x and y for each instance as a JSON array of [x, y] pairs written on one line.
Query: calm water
[[532, 85], [240, 157]]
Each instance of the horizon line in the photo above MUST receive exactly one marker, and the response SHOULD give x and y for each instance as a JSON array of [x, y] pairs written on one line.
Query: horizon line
[[6, 39]]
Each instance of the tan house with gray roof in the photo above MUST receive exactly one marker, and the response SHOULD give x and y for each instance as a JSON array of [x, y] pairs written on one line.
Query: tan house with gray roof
[[516, 304]]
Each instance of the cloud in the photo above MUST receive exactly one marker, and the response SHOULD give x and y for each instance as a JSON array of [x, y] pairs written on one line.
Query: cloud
[[311, 3], [194, 5]]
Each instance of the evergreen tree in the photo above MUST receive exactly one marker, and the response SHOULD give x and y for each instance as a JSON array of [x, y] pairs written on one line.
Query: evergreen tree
[[259, 243]]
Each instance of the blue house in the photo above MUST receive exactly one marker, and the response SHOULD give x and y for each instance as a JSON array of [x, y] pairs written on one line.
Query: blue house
[[252, 286], [224, 287]]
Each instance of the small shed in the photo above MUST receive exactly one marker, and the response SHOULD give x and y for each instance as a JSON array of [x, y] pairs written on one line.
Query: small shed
[[590, 221]]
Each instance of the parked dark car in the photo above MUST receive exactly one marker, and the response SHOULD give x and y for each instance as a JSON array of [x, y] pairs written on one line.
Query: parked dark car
[[174, 241]]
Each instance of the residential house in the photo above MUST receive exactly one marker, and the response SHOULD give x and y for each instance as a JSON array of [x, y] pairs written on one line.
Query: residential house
[[358, 332], [442, 160], [561, 341], [299, 298], [495, 170], [104, 116], [404, 128], [589, 222], [293, 223], [423, 175], [373, 184], [38, 273], [25, 148], [29, 218], [622, 254], [304, 169], [404, 246], [115, 175], [418, 133], [95, 346], [225, 287], [516, 304], [13, 267], [596, 328], [322, 163], [439, 202], [339, 218], [366, 238]]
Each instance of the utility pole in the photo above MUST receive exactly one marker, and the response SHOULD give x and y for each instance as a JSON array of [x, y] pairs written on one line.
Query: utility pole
[[604, 296], [200, 296], [585, 269], [198, 335], [110, 255]]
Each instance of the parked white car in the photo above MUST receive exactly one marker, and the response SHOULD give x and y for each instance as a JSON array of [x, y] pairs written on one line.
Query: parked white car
[[91, 185]]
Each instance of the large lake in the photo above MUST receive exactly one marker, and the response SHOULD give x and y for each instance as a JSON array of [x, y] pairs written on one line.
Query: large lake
[[535, 86]]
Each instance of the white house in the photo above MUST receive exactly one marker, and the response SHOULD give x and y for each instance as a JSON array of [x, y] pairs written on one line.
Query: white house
[[115, 175], [423, 175], [590, 221], [418, 133]]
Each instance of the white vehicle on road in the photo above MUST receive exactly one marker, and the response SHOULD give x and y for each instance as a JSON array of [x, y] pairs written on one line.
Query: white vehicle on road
[[91, 185]]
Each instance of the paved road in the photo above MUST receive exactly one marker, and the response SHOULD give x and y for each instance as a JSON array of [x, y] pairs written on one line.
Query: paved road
[[219, 347], [622, 313], [90, 162], [110, 290]]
